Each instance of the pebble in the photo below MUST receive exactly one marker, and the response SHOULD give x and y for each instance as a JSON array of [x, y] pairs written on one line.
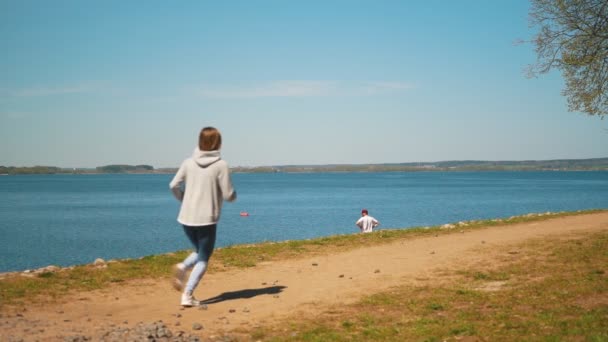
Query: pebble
[[315, 264], [377, 271], [341, 276], [197, 326], [156, 331], [232, 310], [99, 262], [77, 338]]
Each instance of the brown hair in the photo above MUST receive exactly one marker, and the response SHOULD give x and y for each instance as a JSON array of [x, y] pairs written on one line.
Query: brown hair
[[209, 139]]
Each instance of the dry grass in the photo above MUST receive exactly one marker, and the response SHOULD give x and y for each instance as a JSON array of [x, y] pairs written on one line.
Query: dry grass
[[550, 290]]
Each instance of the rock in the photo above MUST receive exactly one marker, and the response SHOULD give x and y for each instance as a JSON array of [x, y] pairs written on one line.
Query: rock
[[99, 262], [48, 269], [448, 226], [315, 264], [202, 307], [197, 326], [232, 310], [377, 271], [77, 338], [341, 276], [246, 309], [156, 331]]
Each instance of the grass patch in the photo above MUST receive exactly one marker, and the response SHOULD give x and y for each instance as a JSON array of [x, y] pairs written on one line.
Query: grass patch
[[54, 285], [556, 291]]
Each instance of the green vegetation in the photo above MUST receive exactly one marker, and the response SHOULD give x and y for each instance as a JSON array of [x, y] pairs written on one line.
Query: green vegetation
[[596, 164], [573, 38], [53, 285], [35, 170], [550, 290], [124, 168]]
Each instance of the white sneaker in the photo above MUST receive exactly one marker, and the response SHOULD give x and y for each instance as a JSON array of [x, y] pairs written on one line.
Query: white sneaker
[[179, 274], [189, 300]]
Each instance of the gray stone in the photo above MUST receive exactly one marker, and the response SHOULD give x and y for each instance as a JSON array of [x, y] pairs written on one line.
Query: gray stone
[[156, 331]]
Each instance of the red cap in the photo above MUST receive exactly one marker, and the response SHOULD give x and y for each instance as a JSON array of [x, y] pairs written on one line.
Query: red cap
[[363, 211]]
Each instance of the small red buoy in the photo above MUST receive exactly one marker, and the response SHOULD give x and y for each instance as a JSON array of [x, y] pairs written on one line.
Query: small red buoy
[[244, 213]]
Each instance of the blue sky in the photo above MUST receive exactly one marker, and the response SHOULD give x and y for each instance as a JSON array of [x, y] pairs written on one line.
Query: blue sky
[[84, 83]]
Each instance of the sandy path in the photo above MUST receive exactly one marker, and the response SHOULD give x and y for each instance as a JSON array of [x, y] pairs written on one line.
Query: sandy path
[[275, 289]]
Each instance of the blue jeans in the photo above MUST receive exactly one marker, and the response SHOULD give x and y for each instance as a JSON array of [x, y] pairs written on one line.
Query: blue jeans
[[203, 241]]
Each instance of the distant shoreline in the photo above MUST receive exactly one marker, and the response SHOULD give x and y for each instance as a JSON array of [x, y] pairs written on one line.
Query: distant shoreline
[[592, 164], [311, 172]]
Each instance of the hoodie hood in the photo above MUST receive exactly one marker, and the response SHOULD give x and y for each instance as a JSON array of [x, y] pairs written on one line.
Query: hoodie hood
[[205, 158]]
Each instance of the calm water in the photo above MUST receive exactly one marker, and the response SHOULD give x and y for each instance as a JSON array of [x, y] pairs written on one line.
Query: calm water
[[73, 219]]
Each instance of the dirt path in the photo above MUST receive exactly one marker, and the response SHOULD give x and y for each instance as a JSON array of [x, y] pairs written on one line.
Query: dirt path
[[256, 296]]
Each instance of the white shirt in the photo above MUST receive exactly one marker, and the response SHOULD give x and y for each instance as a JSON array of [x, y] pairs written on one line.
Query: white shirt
[[367, 223]]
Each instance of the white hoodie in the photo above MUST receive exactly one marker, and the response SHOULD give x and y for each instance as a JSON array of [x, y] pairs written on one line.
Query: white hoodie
[[207, 183]]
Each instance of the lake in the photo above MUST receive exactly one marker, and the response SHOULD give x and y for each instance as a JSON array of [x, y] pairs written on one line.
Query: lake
[[74, 219]]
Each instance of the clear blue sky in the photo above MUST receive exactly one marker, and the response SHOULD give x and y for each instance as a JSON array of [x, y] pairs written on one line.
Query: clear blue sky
[[84, 83]]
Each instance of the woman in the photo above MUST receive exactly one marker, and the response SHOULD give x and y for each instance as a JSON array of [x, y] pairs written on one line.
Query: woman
[[201, 184]]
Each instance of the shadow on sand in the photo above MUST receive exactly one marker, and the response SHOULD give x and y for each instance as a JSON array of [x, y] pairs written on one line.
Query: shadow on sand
[[243, 294]]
